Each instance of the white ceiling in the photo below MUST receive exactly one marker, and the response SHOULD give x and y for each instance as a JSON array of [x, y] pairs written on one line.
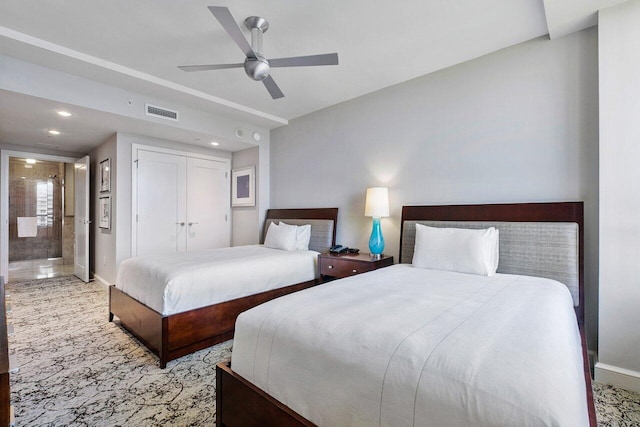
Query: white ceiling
[[139, 44], [26, 120]]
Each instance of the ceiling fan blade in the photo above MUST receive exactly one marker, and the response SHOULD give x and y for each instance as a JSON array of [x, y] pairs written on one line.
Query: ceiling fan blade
[[305, 61], [273, 88], [225, 18], [209, 67]]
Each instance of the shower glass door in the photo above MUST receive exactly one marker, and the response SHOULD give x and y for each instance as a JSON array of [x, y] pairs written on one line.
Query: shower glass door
[[35, 210]]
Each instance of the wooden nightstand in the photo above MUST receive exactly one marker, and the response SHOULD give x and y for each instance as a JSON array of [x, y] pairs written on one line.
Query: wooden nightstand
[[338, 266]]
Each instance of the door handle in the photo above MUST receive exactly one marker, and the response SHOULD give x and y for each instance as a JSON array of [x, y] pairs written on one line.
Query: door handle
[[180, 223], [192, 223]]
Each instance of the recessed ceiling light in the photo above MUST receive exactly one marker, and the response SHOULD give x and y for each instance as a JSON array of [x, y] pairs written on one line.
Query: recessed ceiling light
[[54, 132], [23, 177], [30, 161], [64, 113], [28, 166], [215, 143]]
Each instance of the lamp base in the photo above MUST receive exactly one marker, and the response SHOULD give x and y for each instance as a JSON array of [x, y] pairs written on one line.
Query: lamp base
[[376, 241], [375, 257]]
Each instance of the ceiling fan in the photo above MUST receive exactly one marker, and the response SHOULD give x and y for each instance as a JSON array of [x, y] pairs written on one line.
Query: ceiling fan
[[256, 65]]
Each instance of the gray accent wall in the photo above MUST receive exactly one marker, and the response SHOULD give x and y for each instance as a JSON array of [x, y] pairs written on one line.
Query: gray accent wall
[[518, 125], [619, 343]]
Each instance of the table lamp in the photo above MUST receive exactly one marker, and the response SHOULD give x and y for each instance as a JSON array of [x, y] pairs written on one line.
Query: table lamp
[[376, 206]]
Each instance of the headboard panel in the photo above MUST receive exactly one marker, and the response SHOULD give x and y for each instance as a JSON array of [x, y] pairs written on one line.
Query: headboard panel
[[541, 249], [536, 239], [323, 224]]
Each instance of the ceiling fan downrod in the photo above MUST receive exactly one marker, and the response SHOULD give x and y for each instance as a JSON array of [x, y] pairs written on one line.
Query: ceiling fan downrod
[[257, 68]]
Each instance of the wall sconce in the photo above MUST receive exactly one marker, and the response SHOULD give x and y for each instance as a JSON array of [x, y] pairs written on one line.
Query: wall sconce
[[376, 206]]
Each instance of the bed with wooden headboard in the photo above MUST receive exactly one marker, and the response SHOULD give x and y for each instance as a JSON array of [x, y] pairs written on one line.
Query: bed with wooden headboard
[[536, 239], [175, 335]]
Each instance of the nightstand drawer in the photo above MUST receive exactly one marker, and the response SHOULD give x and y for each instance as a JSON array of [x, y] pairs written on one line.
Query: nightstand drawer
[[343, 268]]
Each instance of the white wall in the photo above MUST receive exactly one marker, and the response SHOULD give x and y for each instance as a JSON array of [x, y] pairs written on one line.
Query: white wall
[[40, 150], [245, 226], [102, 241], [518, 125], [619, 345]]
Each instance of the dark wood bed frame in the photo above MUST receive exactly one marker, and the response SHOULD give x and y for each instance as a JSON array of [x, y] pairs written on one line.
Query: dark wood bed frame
[[240, 403], [176, 335]]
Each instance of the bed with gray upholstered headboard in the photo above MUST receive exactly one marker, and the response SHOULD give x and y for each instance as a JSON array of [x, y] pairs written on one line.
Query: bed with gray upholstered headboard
[[535, 239]]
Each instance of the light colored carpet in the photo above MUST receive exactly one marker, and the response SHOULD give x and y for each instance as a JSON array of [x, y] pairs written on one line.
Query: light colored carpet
[[77, 369]]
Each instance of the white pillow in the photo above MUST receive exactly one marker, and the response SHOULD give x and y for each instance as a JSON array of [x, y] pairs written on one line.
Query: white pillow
[[303, 235], [457, 249], [281, 237]]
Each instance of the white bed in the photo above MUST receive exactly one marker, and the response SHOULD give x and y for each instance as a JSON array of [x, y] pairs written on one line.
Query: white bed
[[412, 346], [418, 346], [181, 303], [175, 283]]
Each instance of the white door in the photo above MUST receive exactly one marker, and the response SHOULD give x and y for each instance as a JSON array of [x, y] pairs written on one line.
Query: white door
[[207, 204], [81, 214], [160, 204]]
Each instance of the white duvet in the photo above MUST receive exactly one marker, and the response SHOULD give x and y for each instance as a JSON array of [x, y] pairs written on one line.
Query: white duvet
[[175, 283], [403, 346]]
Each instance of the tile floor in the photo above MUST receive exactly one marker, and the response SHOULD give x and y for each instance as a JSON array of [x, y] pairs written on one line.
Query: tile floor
[[22, 271]]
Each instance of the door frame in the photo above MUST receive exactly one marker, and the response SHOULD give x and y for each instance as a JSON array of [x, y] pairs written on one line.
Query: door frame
[[134, 180], [4, 198], [83, 162]]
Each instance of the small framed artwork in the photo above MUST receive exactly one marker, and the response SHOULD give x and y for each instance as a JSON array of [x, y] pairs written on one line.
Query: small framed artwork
[[105, 175], [104, 213], [243, 187]]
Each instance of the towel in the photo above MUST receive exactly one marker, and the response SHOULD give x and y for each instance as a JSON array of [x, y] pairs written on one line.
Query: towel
[[27, 226]]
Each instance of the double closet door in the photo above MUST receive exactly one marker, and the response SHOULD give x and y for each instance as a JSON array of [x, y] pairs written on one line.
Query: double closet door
[[181, 203]]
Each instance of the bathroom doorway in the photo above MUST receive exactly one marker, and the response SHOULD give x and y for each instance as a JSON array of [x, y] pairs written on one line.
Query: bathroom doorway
[[41, 223]]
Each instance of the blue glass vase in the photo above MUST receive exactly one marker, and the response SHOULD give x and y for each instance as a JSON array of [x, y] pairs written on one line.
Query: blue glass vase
[[376, 241]]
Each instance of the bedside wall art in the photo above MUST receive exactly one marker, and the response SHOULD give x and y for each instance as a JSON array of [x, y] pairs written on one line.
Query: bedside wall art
[[105, 175], [104, 213], [243, 187]]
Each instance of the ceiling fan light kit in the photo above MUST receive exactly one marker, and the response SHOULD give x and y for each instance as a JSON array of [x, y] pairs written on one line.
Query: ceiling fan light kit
[[256, 65]]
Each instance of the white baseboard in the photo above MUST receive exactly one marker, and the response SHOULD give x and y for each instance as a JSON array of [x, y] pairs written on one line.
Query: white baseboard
[[100, 280], [619, 377]]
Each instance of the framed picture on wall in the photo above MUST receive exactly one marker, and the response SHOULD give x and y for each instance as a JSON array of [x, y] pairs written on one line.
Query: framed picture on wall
[[243, 187], [104, 214], [105, 175]]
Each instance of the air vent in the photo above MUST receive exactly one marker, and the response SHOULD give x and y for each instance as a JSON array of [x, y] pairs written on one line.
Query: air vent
[[163, 113]]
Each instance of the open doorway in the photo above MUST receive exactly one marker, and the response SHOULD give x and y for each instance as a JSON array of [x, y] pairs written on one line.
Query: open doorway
[[5, 156], [41, 223]]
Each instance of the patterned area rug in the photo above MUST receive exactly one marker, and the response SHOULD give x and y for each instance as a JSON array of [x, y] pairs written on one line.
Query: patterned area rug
[[77, 369], [616, 407]]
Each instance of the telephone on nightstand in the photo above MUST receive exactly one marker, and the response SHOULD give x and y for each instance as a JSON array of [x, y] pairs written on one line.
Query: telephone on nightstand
[[338, 249]]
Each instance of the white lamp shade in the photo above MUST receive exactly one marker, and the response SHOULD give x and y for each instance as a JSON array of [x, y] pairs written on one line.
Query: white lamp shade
[[377, 203]]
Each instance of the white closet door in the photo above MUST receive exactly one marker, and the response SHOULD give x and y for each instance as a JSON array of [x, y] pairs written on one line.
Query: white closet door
[[160, 203], [207, 204]]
